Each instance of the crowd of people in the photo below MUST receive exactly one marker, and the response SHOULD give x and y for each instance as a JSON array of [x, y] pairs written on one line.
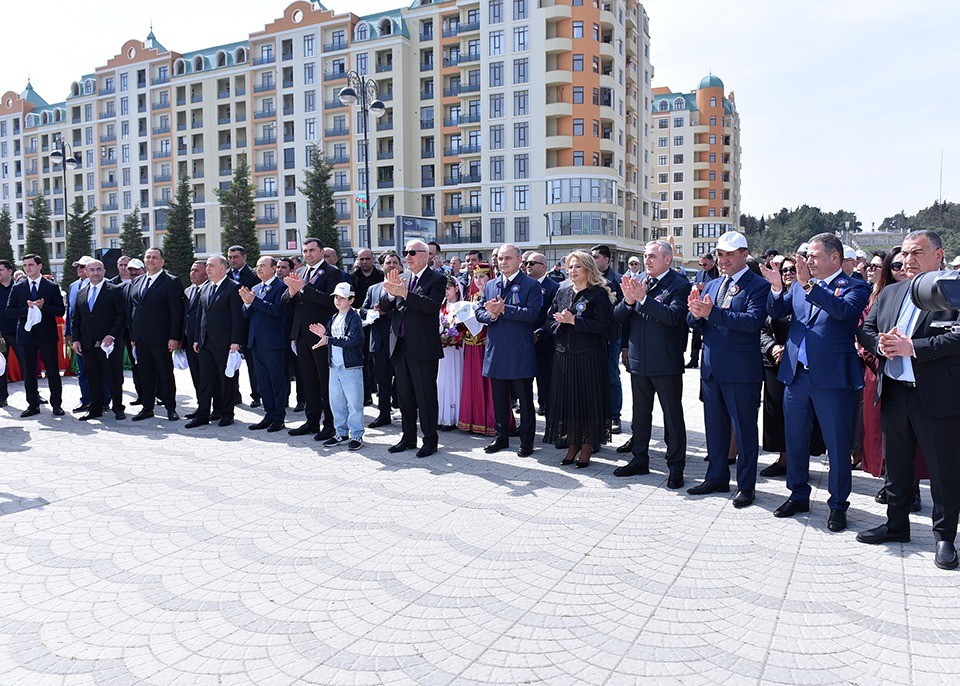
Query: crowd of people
[[825, 343]]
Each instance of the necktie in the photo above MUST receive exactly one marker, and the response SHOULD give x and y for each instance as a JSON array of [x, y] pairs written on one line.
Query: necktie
[[895, 367], [310, 271], [722, 293], [652, 283], [236, 274], [92, 298], [33, 290], [193, 296], [146, 285], [413, 285], [213, 290]]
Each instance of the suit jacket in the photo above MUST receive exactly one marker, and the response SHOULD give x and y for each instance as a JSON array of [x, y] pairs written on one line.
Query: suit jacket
[[657, 329], [380, 329], [71, 304], [509, 352], [313, 304], [157, 315], [220, 323], [936, 365], [46, 331], [825, 320], [592, 312], [548, 289], [191, 313], [265, 315], [247, 278], [418, 315], [731, 334], [107, 318]]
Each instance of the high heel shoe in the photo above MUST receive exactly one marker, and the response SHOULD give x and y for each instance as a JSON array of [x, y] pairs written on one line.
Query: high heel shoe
[[571, 456], [586, 451], [581, 465]]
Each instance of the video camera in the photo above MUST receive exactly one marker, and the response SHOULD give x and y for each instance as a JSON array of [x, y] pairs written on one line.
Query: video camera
[[936, 291]]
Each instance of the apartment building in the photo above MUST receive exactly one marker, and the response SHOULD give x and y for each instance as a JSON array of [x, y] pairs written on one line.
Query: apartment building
[[697, 166], [526, 121]]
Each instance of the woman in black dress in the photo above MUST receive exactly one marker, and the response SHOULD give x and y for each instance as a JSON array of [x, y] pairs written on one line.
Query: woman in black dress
[[579, 393]]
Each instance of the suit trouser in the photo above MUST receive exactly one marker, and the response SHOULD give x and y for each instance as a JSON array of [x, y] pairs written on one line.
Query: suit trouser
[[669, 388], [543, 349], [100, 368], [83, 383], [86, 387], [215, 386], [906, 422], [417, 391], [737, 403], [369, 374], [273, 384], [616, 389], [27, 353], [193, 362], [135, 368], [292, 373], [521, 389], [696, 343], [834, 409], [156, 376], [315, 374], [383, 371], [251, 373], [3, 377]]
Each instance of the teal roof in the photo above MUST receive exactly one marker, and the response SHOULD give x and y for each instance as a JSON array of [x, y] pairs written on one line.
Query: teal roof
[[399, 26], [689, 101], [33, 97], [710, 81], [152, 42], [209, 56]]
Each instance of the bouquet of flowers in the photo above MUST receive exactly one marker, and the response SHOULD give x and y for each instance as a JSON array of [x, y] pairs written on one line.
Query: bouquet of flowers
[[451, 333]]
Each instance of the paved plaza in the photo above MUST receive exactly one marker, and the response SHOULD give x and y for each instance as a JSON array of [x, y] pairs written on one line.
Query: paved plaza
[[146, 553]]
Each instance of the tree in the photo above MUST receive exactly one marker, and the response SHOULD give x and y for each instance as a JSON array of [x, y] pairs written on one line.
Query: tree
[[942, 217], [79, 239], [6, 237], [238, 221], [38, 228], [178, 243], [131, 235], [322, 215]]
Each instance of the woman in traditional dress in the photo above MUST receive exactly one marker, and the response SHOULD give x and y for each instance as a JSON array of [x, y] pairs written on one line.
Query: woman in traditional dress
[[450, 372]]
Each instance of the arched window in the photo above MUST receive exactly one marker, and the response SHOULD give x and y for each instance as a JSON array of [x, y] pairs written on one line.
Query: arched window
[[198, 63], [88, 87], [363, 31], [179, 67], [57, 115], [386, 27], [713, 101], [664, 105], [44, 118], [75, 89], [241, 55], [678, 104], [221, 59]]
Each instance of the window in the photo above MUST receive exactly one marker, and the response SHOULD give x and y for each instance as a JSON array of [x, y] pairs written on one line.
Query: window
[[712, 194], [663, 178], [310, 129], [363, 30], [496, 43], [677, 122], [520, 39], [521, 70], [679, 104], [678, 195], [496, 230], [495, 9], [578, 29], [678, 140], [578, 95], [123, 82], [713, 157], [496, 199], [713, 139], [496, 105], [521, 229], [496, 137], [678, 231], [678, 177], [678, 213], [713, 102], [713, 121], [578, 62], [521, 166], [521, 103], [519, 9], [308, 45], [662, 160], [678, 159], [308, 73], [663, 142], [520, 135], [578, 159], [496, 168], [712, 176], [310, 101], [578, 127], [496, 74], [663, 123]]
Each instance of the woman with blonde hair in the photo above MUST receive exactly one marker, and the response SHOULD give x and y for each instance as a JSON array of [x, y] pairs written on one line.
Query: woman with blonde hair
[[579, 394]]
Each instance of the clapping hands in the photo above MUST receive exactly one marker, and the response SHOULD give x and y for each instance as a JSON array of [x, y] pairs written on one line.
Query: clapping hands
[[633, 290], [320, 331], [394, 285], [700, 309], [295, 283], [495, 307], [246, 295]]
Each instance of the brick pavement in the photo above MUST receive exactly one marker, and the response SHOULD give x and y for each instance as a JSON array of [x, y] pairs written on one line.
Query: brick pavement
[[145, 553]]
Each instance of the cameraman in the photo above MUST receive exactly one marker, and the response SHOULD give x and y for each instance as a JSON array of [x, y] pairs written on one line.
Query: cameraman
[[916, 405]]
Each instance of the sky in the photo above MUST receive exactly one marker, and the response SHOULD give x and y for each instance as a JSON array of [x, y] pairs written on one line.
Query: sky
[[844, 104]]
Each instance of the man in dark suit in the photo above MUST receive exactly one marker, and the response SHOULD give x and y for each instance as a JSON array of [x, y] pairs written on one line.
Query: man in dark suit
[[241, 273], [510, 308], [365, 274], [707, 273], [654, 313], [8, 325], [919, 356], [156, 319], [730, 312], [416, 353], [99, 314], [310, 290], [36, 292], [219, 333], [291, 368], [820, 369], [379, 333], [191, 313], [536, 268], [134, 268], [602, 256], [264, 308]]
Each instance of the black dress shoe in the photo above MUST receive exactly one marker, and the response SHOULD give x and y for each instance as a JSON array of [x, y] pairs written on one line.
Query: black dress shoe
[[29, 412], [142, 414], [776, 469], [262, 424], [215, 417], [401, 446], [881, 496], [84, 407], [790, 508], [119, 415], [382, 420], [303, 430], [916, 505], [58, 411], [626, 447], [172, 415], [426, 450], [883, 534], [136, 401], [300, 407], [743, 499], [324, 434], [837, 521], [692, 364], [709, 487], [498, 445], [225, 421], [541, 412], [255, 403], [274, 428], [633, 468], [675, 481], [90, 415], [190, 415], [946, 557], [615, 427], [195, 422], [525, 451], [3, 402]]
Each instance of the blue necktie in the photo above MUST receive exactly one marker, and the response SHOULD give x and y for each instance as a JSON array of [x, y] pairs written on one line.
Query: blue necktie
[[92, 298], [33, 290]]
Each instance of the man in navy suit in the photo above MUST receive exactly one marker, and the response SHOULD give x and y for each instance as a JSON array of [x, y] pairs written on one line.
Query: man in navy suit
[[191, 312], [510, 308], [707, 273], [38, 292], [536, 268], [380, 340], [653, 313], [820, 369], [241, 273], [730, 312], [264, 308]]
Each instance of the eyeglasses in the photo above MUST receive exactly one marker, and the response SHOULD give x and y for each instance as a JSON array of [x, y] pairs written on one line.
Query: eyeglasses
[[633, 264], [788, 270], [896, 266], [530, 263], [412, 253]]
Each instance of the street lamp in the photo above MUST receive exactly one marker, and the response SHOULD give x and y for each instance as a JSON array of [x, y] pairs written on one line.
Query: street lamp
[[59, 157], [363, 92]]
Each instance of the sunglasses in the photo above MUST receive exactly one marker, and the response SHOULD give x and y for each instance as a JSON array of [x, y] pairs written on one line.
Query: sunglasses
[[896, 266], [873, 267], [530, 263], [412, 253], [788, 270]]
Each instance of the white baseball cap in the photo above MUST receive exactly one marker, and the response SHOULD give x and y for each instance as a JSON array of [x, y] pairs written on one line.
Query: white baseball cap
[[861, 255], [83, 261], [343, 289], [956, 261], [804, 248], [849, 253], [731, 240], [135, 264]]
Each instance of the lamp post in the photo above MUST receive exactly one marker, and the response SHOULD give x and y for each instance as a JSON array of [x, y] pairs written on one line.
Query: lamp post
[[58, 156], [363, 92]]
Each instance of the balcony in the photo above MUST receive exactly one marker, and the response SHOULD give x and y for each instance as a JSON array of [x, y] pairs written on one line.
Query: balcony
[[198, 175], [384, 183], [270, 247], [427, 154], [161, 105], [332, 104], [426, 66], [223, 120], [226, 172], [428, 183], [224, 185], [426, 123], [385, 213], [268, 220], [338, 187], [112, 161], [106, 207], [287, 56], [334, 75], [182, 126], [288, 110], [385, 155], [196, 124], [288, 138], [339, 159], [290, 218], [267, 140], [263, 114], [181, 102], [470, 237], [265, 87], [266, 167], [336, 131], [267, 193], [157, 130], [426, 95], [385, 125], [160, 80], [287, 83], [336, 45], [223, 94], [105, 184], [181, 150], [265, 59], [196, 97], [107, 115], [200, 223], [197, 149], [109, 138], [451, 31], [386, 66], [159, 178], [462, 119], [343, 216], [462, 150]]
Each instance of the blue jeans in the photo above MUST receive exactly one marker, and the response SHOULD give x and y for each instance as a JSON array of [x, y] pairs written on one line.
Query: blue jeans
[[616, 389], [346, 401]]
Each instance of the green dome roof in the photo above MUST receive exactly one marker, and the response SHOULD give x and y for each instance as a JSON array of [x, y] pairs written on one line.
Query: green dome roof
[[711, 81]]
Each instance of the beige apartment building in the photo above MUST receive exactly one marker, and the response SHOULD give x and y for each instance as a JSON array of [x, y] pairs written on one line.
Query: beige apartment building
[[696, 174], [506, 120]]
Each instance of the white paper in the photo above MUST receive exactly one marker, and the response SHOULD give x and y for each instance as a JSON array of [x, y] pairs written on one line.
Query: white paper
[[370, 316], [234, 360], [180, 359], [107, 349], [134, 352], [293, 347], [34, 315], [466, 314], [3, 364]]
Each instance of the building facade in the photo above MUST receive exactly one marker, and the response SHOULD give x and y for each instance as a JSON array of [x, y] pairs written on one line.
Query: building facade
[[526, 121], [696, 177]]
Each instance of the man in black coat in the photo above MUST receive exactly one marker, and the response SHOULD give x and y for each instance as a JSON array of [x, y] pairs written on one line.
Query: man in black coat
[[156, 321], [602, 256], [918, 355], [37, 292], [98, 318], [536, 268], [416, 350], [708, 272], [285, 267], [379, 334], [310, 290], [243, 275], [219, 332], [191, 313], [654, 313]]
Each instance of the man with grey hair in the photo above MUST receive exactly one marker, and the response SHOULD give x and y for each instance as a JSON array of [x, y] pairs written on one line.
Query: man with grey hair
[[536, 268]]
